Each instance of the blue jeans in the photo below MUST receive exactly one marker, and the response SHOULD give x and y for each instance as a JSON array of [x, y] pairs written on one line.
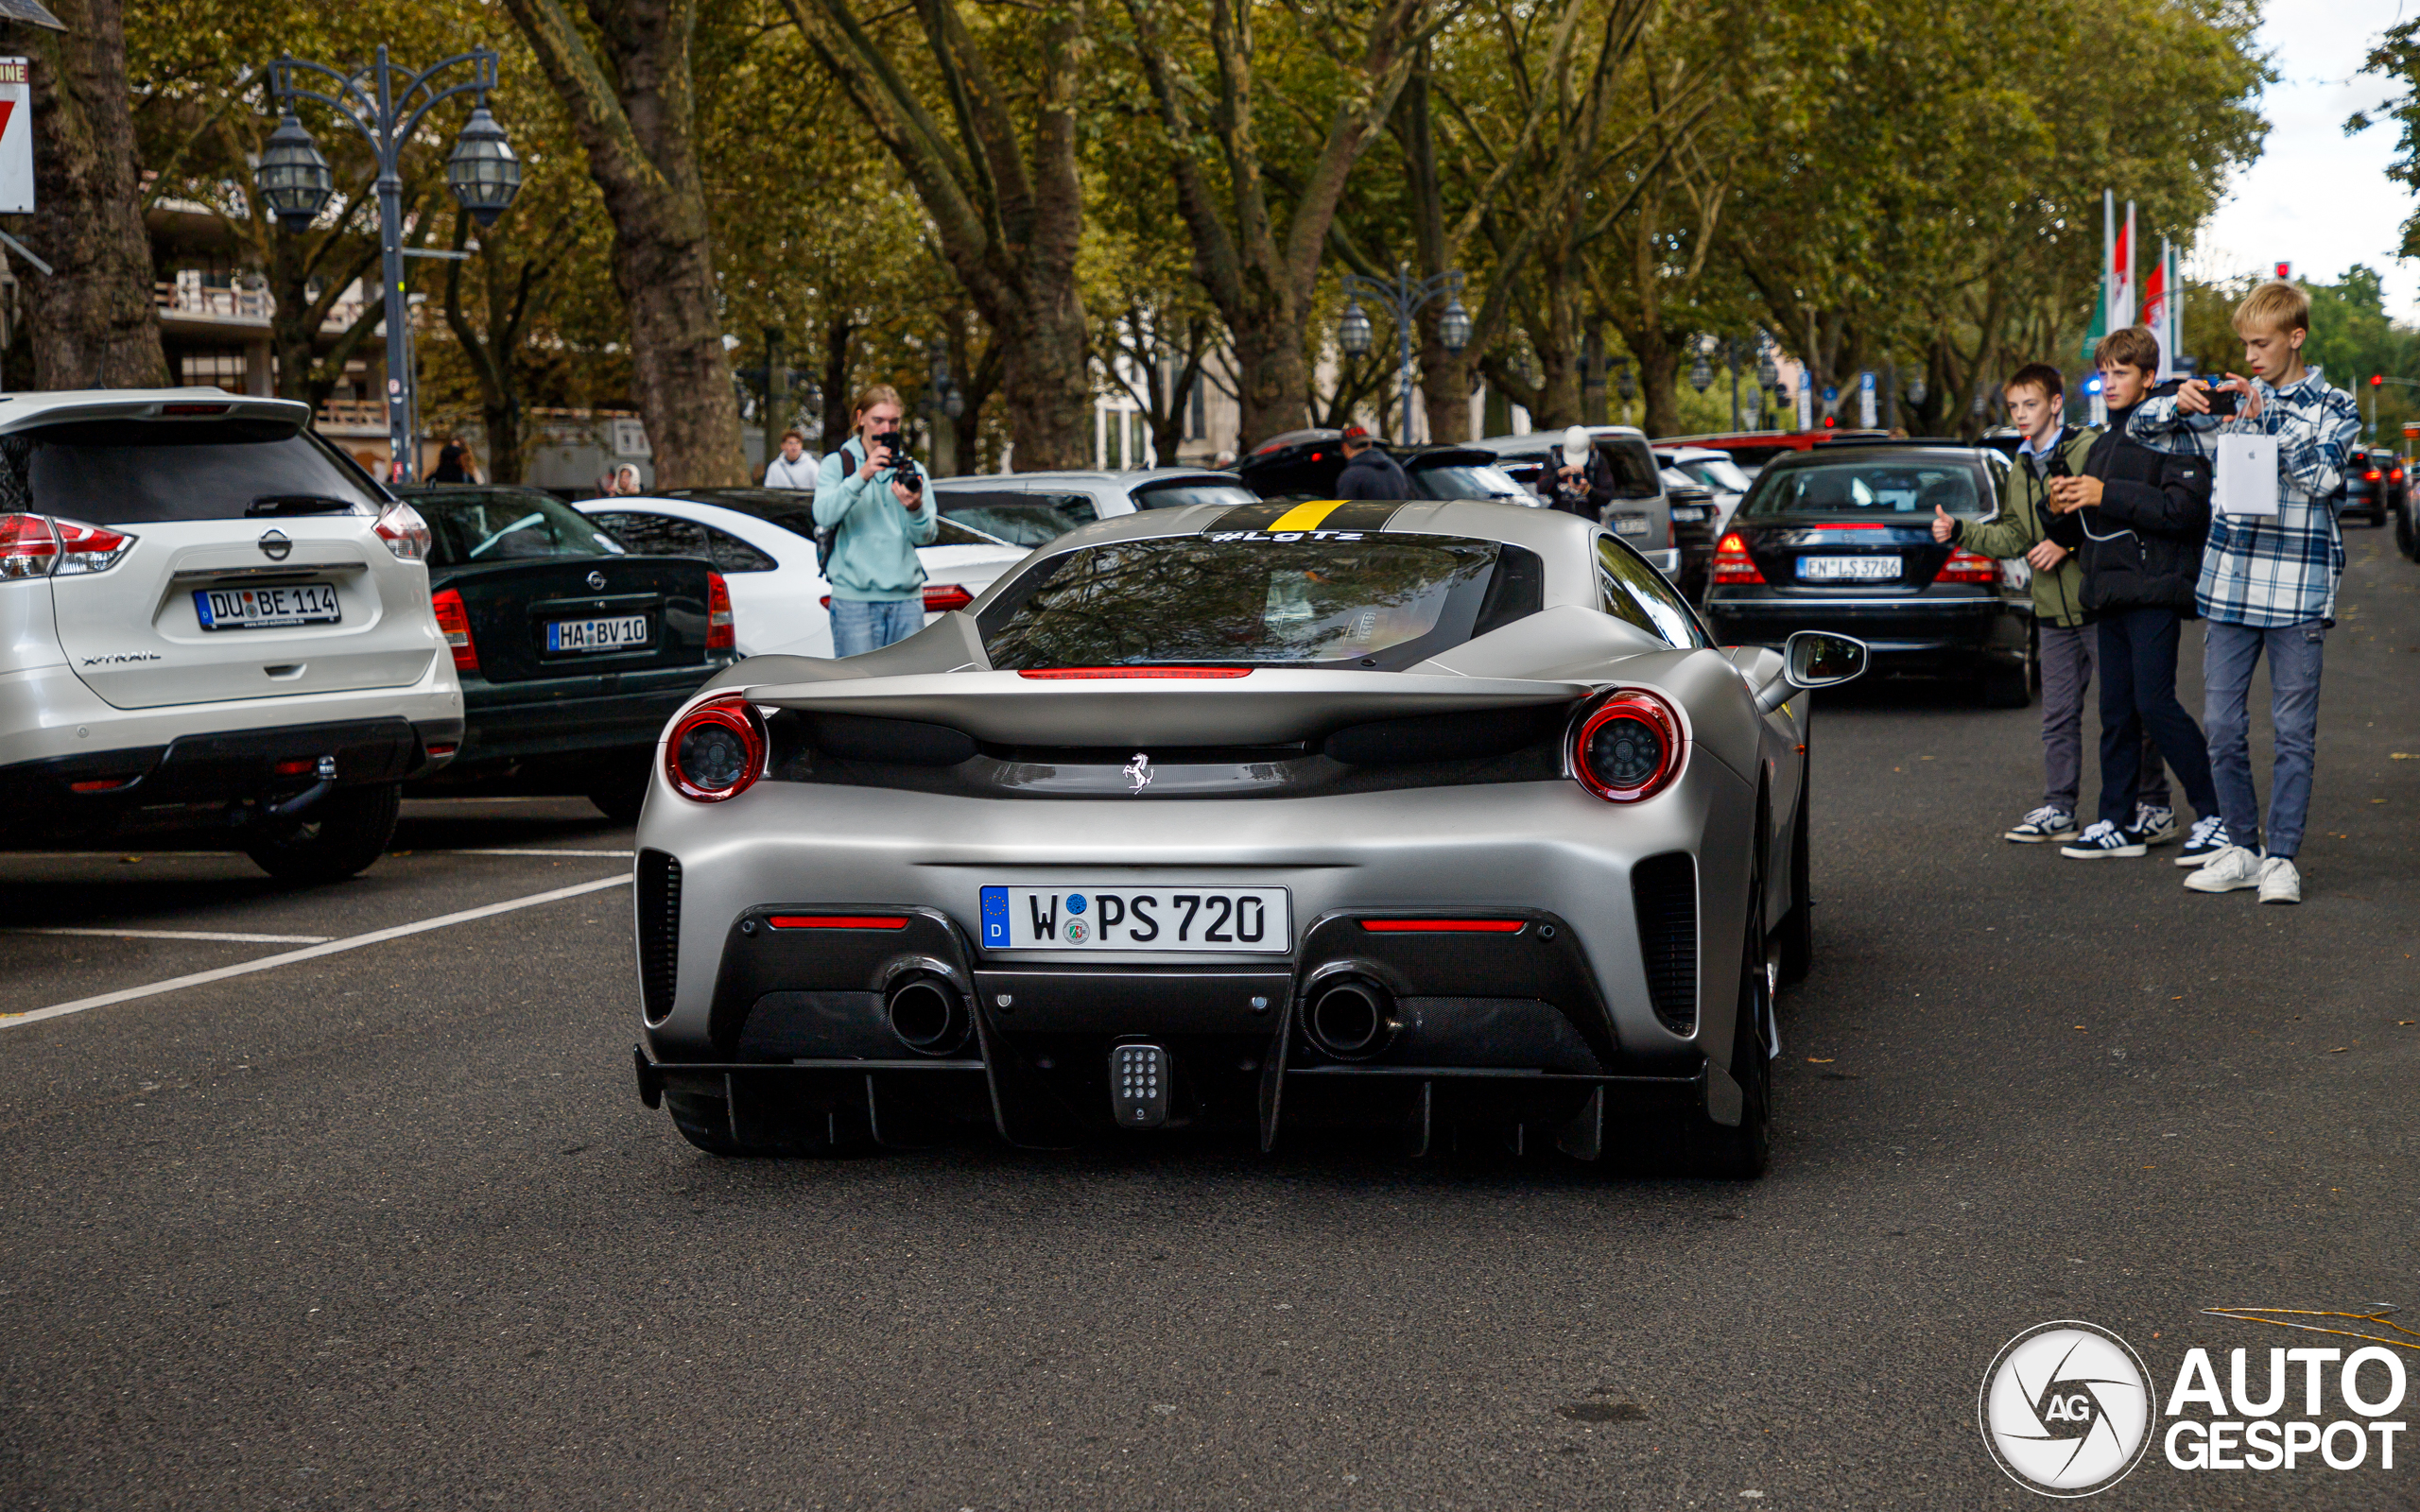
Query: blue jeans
[[859, 625], [2295, 655]]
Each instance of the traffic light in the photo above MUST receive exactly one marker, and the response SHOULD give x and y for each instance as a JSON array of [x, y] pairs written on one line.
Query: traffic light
[[2285, 272], [2377, 380]]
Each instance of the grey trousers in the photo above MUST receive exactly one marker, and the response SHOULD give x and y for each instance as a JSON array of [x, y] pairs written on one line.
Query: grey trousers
[[2067, 660]]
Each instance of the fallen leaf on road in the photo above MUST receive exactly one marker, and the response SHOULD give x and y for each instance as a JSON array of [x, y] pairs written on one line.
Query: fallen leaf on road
[[2338, 1051], [1820, 1060], [2079, 1026], [2404, 756]]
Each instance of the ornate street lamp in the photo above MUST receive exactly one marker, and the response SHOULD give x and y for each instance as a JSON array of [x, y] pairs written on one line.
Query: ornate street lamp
[[1701, 372], [482, 172], [295, 181], [1403, 297], [1353, 332], [386, 104]]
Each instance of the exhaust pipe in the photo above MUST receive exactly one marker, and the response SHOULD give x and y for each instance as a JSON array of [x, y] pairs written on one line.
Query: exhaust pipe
[[928, 1015], [1352, 1019]]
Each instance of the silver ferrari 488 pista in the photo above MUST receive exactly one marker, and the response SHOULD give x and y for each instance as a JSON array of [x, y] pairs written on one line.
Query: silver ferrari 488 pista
[[1443, 818]]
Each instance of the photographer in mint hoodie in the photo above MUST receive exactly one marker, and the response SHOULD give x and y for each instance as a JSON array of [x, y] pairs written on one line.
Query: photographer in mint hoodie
[[872, 497], [2135, 518]]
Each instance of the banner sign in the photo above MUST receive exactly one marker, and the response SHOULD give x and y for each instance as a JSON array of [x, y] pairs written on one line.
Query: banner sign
[[16, 137]]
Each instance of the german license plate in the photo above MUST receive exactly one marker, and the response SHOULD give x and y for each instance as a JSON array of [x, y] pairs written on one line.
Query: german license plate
[[1138, 916], [266, 608], [1847, 569], [1629, 524], [1688, 513], [621, 633]]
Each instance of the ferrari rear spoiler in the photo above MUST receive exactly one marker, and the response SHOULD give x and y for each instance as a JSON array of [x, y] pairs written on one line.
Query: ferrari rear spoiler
[[1263, 706]]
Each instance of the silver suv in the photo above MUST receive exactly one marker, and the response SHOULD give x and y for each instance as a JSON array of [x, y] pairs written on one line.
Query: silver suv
[[210, 617]]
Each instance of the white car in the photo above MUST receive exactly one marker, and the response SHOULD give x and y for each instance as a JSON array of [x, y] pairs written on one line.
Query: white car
[[1711, 469], [211, 617], [763, 542], [1033, 509]]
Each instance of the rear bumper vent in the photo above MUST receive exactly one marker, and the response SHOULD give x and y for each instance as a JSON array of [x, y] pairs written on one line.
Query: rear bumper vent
[[659, 929], [1663, 891]]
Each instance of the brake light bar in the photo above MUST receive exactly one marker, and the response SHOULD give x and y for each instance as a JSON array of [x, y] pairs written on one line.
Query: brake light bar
[[1445, 926], [939, 598], [1087, 674], [839, 921]]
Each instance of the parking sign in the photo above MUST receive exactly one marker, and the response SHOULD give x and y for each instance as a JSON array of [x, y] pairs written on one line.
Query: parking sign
[[16, 138]]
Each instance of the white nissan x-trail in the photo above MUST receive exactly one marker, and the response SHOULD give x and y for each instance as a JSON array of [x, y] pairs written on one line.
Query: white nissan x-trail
[[210, 617]]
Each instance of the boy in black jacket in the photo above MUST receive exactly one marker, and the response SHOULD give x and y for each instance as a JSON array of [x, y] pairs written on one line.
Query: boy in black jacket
[[2136, 519]]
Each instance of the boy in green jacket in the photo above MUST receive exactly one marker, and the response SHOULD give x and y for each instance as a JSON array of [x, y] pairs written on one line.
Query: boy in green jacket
[[2037, 406]]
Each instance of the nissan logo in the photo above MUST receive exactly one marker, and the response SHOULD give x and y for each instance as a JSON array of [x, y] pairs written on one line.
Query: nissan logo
[[275, 546], [597, 580]]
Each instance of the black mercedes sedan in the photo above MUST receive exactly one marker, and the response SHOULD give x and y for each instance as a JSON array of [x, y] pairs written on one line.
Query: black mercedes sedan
[[1840, 538], [572, 651]]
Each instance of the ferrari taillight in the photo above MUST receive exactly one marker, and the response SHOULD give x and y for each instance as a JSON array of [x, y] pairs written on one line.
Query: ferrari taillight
[[1732, 563], [721, 633], [716, 751], [1967, 567], [1627, 748], [454, 623]]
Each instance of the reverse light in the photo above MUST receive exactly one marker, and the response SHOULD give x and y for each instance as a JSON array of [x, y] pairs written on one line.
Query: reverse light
[[1732, 563], [717, 751], [454, 622], [84, 548], [939, 598], [720, 635], [1629, 747], [1965, 566], [404, 531]]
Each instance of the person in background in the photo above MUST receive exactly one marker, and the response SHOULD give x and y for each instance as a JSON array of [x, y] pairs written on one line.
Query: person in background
[[872, 497], [793, 468], [1580, 480], [2135, 519], [453, 463], [2036, 399], [626, 480], [2268, 584], [1369, 471]]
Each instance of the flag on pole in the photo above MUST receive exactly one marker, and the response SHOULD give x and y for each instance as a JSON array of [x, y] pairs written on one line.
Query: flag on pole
[[2121, 273], [2156, 302]]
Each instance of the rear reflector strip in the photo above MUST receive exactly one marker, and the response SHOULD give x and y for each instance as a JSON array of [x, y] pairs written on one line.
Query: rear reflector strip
[[837, 921], [1053, 674], [1445, 926], [101, 784]]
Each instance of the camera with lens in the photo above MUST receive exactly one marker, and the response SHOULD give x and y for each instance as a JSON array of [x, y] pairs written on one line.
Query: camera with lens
[[904, 471]]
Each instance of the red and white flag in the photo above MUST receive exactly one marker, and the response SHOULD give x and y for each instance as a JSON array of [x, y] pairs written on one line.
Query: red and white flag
[[2155, 300], [2121, 273]]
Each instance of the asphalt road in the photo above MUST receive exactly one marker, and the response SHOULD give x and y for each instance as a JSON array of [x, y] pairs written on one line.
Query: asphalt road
[[386, 1226]]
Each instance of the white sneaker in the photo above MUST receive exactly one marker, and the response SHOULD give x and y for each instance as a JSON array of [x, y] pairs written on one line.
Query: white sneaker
[[2279, 881], [2048, 822], [2230, 870]]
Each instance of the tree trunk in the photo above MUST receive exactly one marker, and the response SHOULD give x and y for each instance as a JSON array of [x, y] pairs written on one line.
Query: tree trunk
[[92, 321], [633, 112], [837, 414]]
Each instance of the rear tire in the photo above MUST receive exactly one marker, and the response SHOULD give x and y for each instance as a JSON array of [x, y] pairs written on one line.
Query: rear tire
[[335, 838], [1742, 1152], [618, 784], [1795, 939]]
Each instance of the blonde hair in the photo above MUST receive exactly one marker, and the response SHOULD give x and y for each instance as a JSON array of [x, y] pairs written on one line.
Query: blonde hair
[[2275, 305], [870, 395]]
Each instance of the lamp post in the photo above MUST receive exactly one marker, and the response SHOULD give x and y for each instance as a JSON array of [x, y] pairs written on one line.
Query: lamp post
[[386, 103], [1404, 296]]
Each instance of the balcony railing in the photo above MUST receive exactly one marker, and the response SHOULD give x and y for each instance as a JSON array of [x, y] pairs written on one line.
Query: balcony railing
[[359, 414], [240, 306]]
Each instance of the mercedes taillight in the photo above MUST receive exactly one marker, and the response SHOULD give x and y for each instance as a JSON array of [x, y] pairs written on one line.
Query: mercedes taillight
[[1965, 566], [1732, 563]]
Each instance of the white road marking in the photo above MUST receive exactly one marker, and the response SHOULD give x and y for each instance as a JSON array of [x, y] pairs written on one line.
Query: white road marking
[[181, 934], [11, 1020], [623, 854]]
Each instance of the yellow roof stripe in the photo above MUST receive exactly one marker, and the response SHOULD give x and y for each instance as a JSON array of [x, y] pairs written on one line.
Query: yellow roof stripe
[[1306, 516]]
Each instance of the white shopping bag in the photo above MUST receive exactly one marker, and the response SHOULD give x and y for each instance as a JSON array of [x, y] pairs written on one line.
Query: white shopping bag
[[2247, 482]]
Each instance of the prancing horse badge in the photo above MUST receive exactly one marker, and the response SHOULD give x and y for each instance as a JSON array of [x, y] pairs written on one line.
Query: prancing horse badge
[[1138, 772]]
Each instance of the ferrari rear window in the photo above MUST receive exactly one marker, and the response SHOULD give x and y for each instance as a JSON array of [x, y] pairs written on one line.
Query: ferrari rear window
[[1380, 601]]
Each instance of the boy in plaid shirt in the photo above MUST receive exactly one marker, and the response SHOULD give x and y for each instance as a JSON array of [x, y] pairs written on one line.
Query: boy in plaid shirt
[[2268, 585]]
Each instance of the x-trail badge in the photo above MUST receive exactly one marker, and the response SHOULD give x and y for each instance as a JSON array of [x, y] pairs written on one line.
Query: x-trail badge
[[1138, 772], [275, 546]]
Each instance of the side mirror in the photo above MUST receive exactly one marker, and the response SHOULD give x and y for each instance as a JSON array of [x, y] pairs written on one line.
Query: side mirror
[[1819, 658], [1813, 659]]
